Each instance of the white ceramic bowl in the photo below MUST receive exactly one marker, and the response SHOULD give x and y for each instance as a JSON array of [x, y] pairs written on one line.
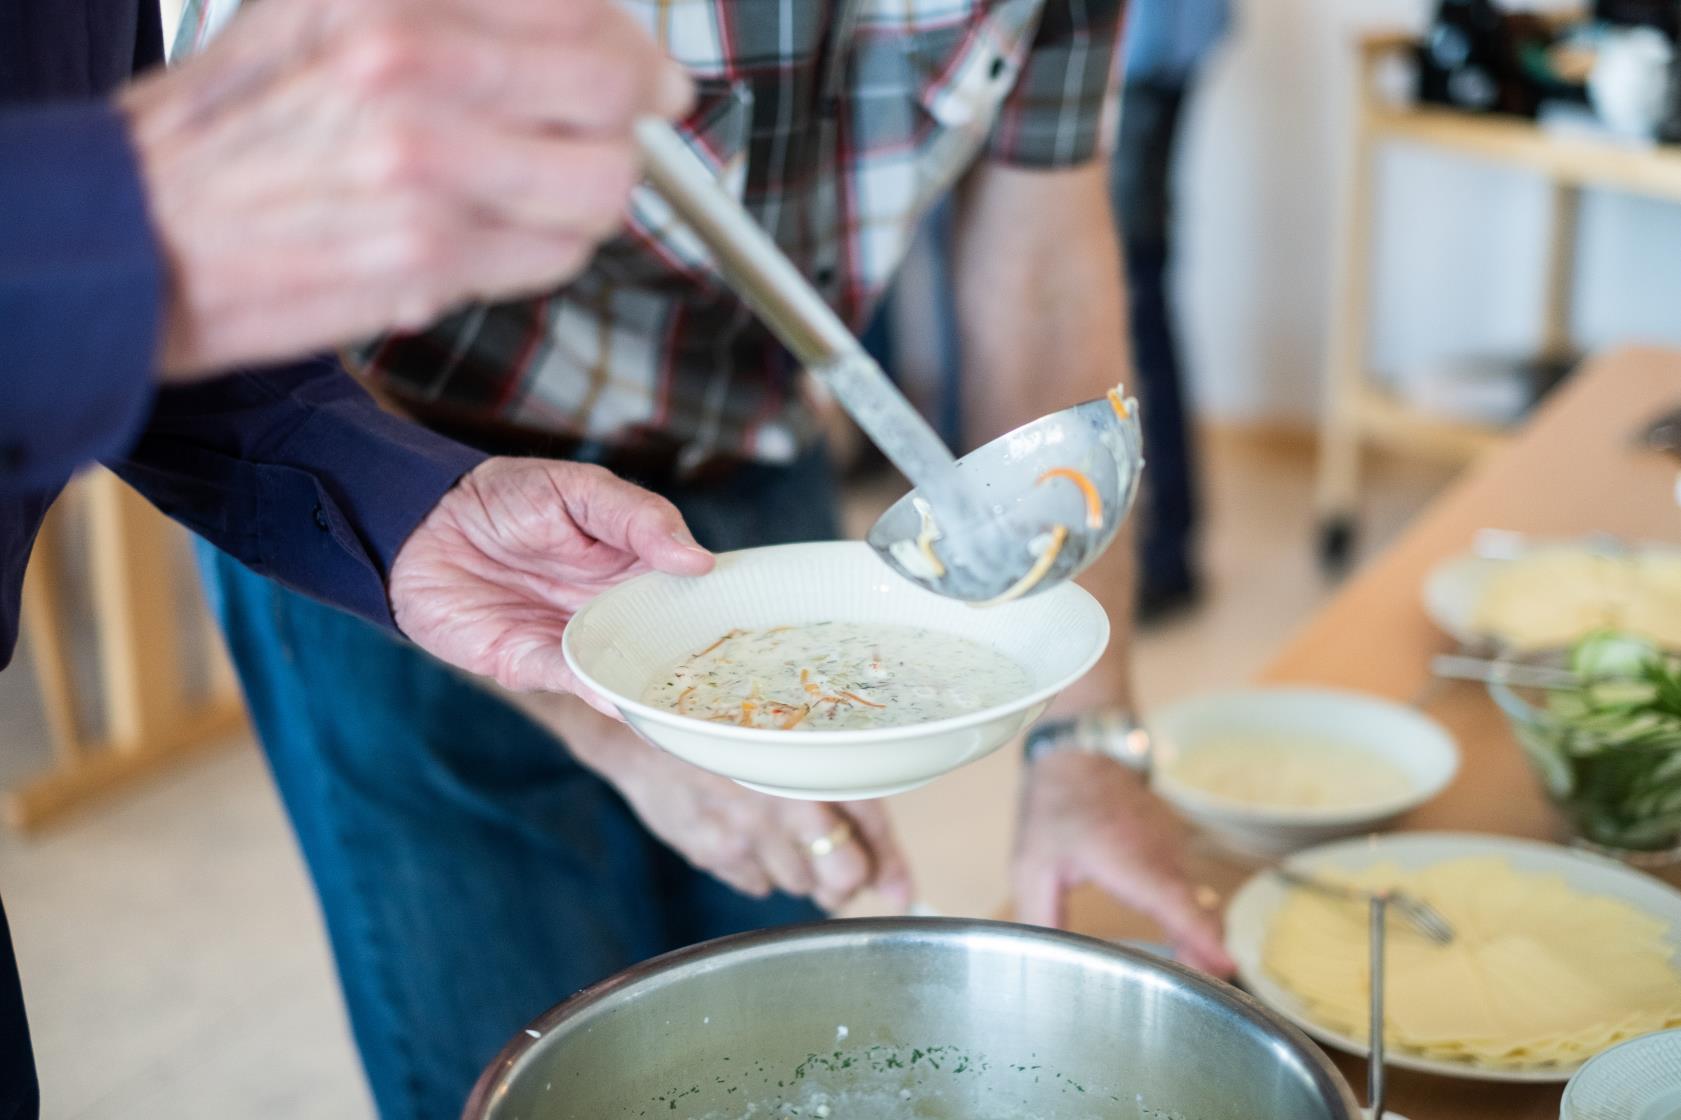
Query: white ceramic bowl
[[1635, 1080], [623, 638], [1397, 734]]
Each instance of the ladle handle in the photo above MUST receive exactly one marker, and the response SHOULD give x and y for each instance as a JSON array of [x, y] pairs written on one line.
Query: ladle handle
[[754, 265], [758, 270]]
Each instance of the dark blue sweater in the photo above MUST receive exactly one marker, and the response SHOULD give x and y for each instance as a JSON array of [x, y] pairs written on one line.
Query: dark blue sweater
[[294, 471]]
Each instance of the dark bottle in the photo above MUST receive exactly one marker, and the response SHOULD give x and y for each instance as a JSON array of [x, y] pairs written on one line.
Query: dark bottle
[[1455, 62], [1669, 128], [1660, 15], [1470, 59]]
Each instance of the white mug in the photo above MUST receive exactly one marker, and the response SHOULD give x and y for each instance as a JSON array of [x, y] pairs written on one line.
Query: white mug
[[1629, 83]]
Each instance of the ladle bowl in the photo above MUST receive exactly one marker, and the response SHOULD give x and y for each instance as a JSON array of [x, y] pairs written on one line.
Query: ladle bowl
[[1060, 486]]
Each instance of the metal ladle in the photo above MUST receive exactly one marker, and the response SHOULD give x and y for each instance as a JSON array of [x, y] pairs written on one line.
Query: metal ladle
[[1018, 516], [1031, 479]]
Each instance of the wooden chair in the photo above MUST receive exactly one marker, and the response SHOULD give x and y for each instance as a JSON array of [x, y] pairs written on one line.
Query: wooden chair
[[151, 716]]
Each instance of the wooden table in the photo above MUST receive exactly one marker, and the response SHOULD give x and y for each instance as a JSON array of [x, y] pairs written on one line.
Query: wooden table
[[1357, 411], [1571, 471]]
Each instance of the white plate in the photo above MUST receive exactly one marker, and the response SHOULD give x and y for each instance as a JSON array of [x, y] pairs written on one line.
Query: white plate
[[1452, 591], [1411, 742], [624, 637], [1455, 586], [1252, 909]]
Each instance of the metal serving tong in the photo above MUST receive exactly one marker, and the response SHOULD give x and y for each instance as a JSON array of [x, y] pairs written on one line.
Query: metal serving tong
[[1459, 667], [1416, 913], [1422, 917], [1376, 1089]]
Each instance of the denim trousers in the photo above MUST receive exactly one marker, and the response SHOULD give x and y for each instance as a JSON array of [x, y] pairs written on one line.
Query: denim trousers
[[1141, 186], [471, 874]]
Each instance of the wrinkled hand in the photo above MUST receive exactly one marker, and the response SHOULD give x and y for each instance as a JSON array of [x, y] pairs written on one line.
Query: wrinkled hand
[[490, 579], [756, 842], [325, 171], [752, 841], [1088, 819]]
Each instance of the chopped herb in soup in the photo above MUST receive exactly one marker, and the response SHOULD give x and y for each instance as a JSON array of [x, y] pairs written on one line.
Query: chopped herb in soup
[[836, 676]]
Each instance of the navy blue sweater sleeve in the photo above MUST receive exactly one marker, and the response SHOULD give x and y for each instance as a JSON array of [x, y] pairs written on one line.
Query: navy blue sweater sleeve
[[297, 473], [80, 293]]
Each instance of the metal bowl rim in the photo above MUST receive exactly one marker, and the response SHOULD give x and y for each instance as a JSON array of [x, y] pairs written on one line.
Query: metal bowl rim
[[1323, 1073]]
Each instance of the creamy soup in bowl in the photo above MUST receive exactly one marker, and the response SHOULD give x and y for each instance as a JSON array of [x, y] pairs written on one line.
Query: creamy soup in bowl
[[1289, 771], [836, 676]]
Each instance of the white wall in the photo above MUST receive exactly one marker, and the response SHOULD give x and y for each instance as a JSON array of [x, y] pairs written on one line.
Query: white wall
[[171, 10], [1459, 244]]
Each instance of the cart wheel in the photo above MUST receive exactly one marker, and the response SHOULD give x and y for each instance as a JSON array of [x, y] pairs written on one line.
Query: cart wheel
[[1336, 544]]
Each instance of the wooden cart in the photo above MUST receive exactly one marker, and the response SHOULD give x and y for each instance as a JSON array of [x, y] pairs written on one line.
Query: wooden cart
[[1359, 413]]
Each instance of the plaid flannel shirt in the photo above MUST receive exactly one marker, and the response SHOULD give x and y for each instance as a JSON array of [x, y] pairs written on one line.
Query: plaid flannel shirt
[[838, 123]]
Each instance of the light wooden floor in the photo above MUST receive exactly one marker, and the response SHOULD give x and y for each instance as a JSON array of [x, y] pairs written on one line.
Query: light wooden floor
[[172, 954]]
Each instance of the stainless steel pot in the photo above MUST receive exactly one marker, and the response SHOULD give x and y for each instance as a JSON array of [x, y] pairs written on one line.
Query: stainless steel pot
[[913, 1018]]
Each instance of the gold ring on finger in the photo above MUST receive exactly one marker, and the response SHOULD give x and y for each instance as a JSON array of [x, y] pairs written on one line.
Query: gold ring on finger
[[837, 838]]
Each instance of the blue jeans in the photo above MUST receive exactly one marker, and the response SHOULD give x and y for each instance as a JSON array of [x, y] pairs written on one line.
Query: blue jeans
[[470, 872], [1141, 186]]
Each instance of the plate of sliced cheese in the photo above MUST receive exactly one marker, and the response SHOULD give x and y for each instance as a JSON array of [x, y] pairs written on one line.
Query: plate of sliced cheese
[[1548, 594], [1557, 955]]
